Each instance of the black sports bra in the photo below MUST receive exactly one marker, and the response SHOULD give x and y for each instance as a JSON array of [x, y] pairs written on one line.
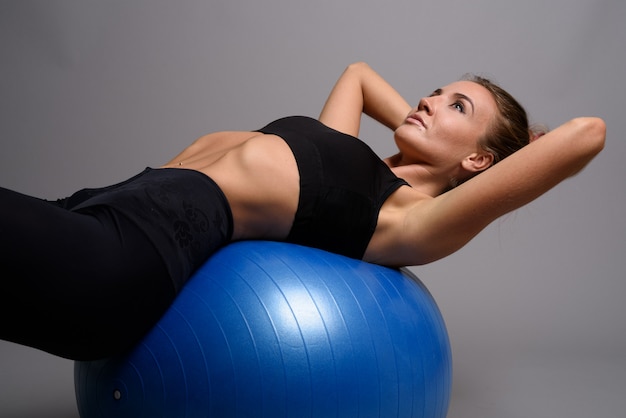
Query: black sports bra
[[343, 185]]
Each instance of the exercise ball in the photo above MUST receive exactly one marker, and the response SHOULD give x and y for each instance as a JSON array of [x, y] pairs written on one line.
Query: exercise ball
[[267, 329]]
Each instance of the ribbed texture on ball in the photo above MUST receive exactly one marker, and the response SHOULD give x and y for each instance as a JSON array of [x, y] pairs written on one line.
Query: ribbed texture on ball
[[267, 329]]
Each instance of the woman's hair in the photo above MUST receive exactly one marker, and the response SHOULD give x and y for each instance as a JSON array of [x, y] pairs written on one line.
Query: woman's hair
[[509, 130]]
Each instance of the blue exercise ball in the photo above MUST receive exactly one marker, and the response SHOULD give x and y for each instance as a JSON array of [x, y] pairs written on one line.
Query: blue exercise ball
[[268, 329]]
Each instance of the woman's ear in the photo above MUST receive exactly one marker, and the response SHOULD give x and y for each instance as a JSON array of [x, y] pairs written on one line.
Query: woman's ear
[[478, 162]]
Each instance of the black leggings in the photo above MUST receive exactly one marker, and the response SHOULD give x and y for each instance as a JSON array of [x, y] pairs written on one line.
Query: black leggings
[[80, 286]]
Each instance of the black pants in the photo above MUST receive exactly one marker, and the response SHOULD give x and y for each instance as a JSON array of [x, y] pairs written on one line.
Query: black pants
[[80, 286]]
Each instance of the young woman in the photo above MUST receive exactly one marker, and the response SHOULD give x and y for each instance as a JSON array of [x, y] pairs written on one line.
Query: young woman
[[88, 275]]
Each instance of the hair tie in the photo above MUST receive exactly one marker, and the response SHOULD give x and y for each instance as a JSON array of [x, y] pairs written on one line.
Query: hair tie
[[536, 136]]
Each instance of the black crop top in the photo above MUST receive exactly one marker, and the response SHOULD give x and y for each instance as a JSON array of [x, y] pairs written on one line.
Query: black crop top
[[343, 185]]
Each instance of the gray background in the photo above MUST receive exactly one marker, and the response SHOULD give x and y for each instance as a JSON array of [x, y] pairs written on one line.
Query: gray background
[[91, 92]]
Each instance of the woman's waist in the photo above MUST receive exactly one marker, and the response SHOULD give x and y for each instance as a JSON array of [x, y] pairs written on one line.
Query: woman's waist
[[261, 182], [183, 212]]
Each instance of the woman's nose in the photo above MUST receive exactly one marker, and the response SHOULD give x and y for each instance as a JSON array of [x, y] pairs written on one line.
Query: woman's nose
[[426, 104]]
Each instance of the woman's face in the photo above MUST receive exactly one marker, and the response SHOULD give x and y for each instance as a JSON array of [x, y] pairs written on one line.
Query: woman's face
[[445, 127]]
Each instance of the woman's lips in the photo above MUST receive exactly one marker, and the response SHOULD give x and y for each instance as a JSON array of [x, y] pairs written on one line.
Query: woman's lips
[[416, 119]]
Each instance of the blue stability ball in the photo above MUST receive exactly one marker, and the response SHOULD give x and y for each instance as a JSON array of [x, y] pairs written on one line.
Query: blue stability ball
[[268, 329]]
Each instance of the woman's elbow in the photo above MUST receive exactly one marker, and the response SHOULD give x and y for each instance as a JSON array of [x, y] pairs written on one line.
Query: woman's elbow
[[359, 64], [592, 130], [585, 140]]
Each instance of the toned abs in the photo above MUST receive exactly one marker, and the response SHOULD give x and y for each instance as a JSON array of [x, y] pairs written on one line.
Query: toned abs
[[257, 173]]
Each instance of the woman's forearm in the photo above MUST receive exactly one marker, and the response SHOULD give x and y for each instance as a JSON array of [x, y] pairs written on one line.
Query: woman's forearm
[[380, 100], [361, 90]]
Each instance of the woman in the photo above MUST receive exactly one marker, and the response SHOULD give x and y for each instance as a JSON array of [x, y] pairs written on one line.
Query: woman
[[89, 275]]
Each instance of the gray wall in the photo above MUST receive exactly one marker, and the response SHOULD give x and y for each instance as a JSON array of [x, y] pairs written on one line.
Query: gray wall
[[91, 92]]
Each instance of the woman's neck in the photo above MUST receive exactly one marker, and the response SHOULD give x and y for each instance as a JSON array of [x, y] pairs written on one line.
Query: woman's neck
[[418, 176]]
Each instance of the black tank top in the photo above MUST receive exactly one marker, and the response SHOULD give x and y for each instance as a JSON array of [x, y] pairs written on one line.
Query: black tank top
[[343, 185]]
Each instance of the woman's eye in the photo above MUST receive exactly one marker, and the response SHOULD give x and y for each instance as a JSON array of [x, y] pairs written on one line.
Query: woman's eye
[[459, 106]]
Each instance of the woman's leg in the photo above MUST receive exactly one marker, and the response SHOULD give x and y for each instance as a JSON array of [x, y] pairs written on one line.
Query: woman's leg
[[81, 286]]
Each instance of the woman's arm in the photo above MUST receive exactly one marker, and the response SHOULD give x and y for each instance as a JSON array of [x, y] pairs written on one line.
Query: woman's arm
[[439, 226], [361, 90]]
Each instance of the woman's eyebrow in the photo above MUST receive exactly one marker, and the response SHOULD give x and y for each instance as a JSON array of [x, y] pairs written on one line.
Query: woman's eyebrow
[[456, 96], [461, 96]]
